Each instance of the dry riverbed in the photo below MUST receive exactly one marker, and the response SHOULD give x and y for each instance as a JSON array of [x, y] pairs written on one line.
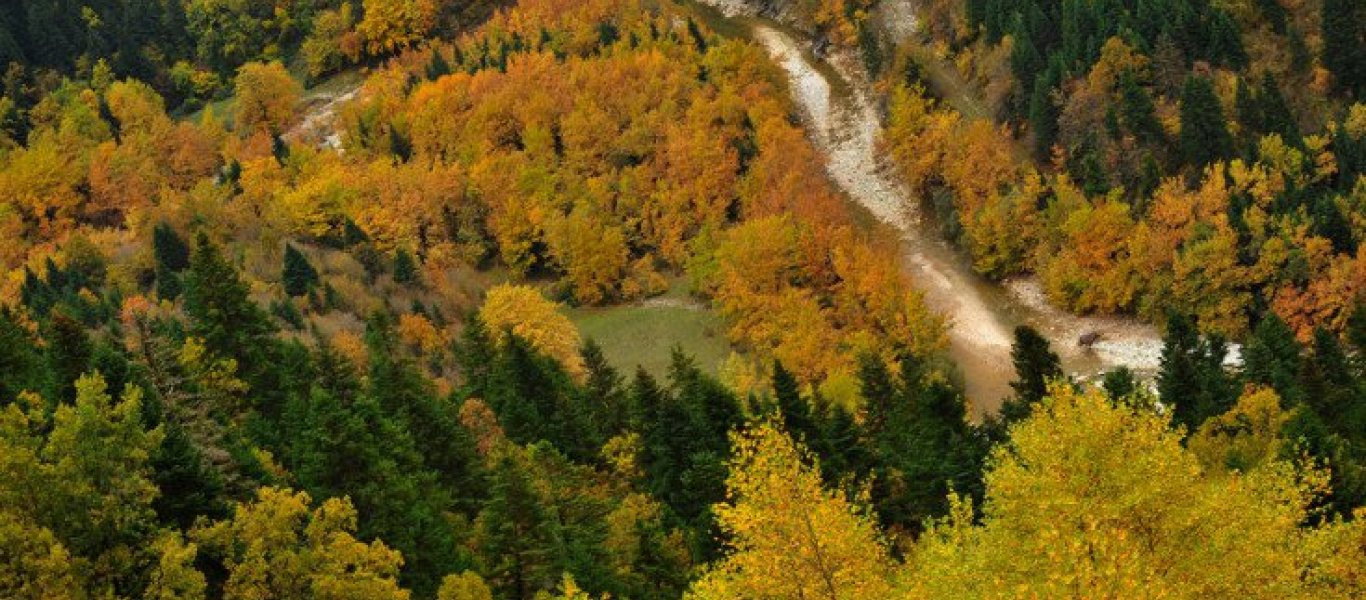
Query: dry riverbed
[[843, 121]]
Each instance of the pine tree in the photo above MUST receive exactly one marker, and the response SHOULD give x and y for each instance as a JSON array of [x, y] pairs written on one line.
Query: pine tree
[[68, 351], [21, 364], [1249, 113], [474, 356], [438, 67], [1272, 358], [408, 397], [526, 391], [1192, 380], [221, 311], [1204, 134], [1344, 49], [1043, 117], [878, 392], [603, 387], [298, 275], [1276, 113], [1137, 106], [1329, 386], [189, 487], [172, 254], [1225, 43], [1036, 365], [516, 538], [169, 284], [405, 268], [1120, 383], [793, 410], [922, 447]]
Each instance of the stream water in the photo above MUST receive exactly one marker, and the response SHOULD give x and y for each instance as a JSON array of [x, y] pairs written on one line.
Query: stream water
[[842, 119]]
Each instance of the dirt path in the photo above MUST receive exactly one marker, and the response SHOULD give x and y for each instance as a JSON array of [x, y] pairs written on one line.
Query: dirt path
[[843, 121]]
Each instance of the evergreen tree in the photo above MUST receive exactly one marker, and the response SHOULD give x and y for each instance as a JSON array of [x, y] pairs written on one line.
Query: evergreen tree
[[298, 275], [21, 364], [1204, 134], [1272, 358], [923, 447], [603, 387], [1036, 364], [1329, 385], [1043, 117], [878, 392], [438, 67], [343, 442], [221, 312], [1192, 380], [1178, 379], [527, 391], [68, 355], [1276, 113], [410, 400], [170, 250], [793, 410], [405, 268], [1249, 112], [1137, 107], [474, 355], [517, 539], [1120, 383], [189, 487], [1225, 43], [169, 284], [1344, 44], [679, 455]]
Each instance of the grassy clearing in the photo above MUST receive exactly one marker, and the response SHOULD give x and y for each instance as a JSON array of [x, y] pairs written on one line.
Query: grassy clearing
[[644, 334]]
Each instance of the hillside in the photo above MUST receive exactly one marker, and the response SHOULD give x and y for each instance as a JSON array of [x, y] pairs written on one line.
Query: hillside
[[646, 299]]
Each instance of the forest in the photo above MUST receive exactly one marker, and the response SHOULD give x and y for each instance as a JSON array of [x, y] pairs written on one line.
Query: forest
[[288, 299]]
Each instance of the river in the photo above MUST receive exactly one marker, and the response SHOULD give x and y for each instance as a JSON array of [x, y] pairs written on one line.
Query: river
[[842, 119]]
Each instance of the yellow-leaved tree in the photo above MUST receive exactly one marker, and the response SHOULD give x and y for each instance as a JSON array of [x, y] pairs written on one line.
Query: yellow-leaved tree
[[464, 586], [524, 312], [1092, 499], [276, 547], [266, 95], [789, 538]]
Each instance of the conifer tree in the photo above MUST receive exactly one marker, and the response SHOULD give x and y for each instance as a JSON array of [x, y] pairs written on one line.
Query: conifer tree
[[21, 364], [68, 351], [1036, 365], [603, 387], [1140, 116], [793, 410], [298, 275], [516, 538], [1204, 134], [438, 67], [1192, 380], [1276, 113], [189, 488], [405, 268], [1249, 112], [169, 248], [1344, 44], [1043, 116], [1272, 358], [223, 314]]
